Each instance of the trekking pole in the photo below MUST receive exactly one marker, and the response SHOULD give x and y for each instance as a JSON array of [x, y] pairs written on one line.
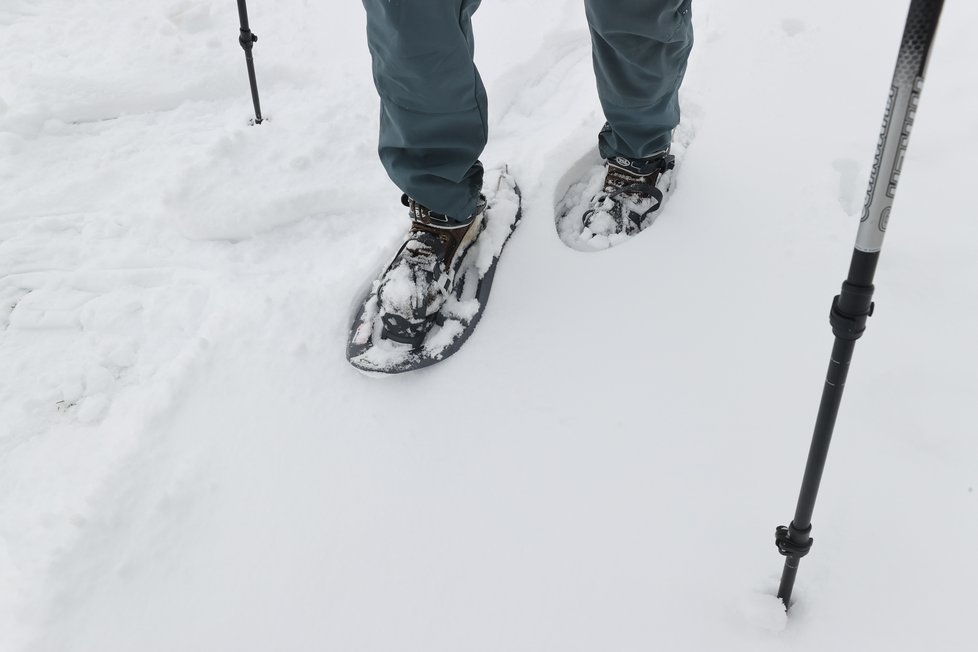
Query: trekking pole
[[851, 308], [247, 41]]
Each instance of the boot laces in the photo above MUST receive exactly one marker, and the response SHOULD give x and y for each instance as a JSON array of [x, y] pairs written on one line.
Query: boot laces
[[620, 180]]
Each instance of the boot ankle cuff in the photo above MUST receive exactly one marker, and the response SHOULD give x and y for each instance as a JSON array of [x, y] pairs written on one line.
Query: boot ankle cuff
[[640, 166], [426, 216]]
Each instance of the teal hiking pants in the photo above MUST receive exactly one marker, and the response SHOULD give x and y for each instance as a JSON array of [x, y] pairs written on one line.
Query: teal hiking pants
[[433, 119]]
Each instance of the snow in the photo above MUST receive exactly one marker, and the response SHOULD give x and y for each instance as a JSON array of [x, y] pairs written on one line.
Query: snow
[[187, 462]]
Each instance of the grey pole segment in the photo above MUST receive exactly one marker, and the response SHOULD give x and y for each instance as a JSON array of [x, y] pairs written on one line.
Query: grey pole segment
[[854, 304], [247, 41]]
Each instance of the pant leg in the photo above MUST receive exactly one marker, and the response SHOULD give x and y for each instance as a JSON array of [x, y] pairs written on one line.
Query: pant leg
[[433, 104], [640, 49]]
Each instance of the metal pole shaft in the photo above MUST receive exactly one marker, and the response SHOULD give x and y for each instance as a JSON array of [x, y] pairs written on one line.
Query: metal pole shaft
[[247, 41], [854, 304]]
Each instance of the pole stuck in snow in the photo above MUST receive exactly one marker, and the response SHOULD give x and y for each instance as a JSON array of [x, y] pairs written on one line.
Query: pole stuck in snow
[[247, 41], [854, 304]]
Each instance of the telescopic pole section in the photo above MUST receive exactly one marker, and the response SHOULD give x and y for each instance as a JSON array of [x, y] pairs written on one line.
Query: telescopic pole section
[[854, 304], [247, 41]]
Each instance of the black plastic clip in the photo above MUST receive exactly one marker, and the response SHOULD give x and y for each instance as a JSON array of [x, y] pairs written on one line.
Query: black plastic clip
[[850, 310], [247, 39], [787, 538]]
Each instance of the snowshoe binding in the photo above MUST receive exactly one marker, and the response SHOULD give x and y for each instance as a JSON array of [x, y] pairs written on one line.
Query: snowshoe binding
[[615, 202]]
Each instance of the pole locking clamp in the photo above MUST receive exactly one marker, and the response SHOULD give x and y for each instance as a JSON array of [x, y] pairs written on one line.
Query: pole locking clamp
[[247, 39], [792, 542], [850, 310]]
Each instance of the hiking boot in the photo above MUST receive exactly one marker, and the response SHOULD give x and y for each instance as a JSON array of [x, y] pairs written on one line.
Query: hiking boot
[[421, 277], [632, 193]]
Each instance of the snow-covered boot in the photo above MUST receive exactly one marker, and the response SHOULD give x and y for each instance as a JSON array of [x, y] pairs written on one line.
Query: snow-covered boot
[[632, 192], [421, 276]]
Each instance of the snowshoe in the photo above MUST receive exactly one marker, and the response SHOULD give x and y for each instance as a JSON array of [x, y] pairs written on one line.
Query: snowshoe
[[619, 198], [631, 192], [428, 300]]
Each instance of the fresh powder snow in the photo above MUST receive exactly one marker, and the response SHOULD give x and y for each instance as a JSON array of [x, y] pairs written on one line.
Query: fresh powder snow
[[188, 462]]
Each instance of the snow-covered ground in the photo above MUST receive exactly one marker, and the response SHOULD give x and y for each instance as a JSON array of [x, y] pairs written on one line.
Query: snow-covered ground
[[187, 462]]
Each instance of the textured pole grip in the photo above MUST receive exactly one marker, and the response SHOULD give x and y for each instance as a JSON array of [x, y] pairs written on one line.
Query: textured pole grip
[[901, 108]]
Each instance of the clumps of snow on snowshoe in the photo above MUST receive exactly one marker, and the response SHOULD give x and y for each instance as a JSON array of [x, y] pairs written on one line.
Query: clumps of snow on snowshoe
[[401, 294], [505, 210]]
